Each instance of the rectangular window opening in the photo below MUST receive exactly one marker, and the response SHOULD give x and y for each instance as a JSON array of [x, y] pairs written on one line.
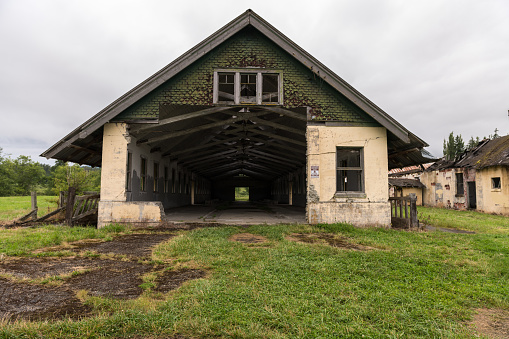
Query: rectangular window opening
[[226, 88], [349, 170], [143, 175], [129, 167], [496, 183], [248, 87], [270, 88], [460, 188], [173, 180], [241, 193], [156, 177], [166, 180], [260, 87]]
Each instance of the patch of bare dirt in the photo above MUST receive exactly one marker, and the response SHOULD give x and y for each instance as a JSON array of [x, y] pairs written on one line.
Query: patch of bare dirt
[[248, 238], [33, 268], [136, 245], [22, 297], [327, 238], [20, 300], [170, 280], [493, 323]]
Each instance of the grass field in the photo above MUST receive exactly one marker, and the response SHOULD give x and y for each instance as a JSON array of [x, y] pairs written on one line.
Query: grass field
[[15, 207], [405, 285]]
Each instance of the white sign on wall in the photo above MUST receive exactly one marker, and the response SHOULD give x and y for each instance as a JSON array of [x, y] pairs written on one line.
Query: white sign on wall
[[315, 172]]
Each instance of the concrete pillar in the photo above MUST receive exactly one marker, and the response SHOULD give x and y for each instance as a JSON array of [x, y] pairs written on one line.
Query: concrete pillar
[[114, 161], [113, 170]]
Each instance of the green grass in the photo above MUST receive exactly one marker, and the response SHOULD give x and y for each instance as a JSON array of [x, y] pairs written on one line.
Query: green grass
[[410, 285], [465, 220], [22, 241], [15, 207]]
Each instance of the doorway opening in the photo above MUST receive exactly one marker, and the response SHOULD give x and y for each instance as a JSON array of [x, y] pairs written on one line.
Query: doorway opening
[[241, 193]]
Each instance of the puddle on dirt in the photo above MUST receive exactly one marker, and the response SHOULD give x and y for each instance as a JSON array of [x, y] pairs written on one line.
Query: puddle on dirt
[[493, 323], [330, 239], [120, 279], [248, 238]]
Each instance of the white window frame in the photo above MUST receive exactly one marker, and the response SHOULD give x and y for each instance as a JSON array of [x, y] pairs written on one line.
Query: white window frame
[[259, 86]]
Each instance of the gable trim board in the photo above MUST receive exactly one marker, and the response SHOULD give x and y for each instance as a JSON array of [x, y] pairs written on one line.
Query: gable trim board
[[248, 18]]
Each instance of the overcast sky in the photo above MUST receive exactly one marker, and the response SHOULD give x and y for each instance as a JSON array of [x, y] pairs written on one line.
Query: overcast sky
[[436, 66]]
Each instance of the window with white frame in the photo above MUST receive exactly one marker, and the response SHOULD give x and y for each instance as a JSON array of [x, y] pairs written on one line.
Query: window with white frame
[[260, 87], [349, 170]]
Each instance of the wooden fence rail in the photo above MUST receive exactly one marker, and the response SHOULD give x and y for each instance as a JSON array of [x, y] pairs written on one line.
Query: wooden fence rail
[[404, 211]]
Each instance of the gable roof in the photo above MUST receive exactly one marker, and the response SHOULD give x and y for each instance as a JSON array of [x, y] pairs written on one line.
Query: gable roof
[[403, 141]]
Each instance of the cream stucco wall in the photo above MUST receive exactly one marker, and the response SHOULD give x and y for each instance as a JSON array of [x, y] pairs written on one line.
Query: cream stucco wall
[[492, 200], [325, 206], [441, 188]]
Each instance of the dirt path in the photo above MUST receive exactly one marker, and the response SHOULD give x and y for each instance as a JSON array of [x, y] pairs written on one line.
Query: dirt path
[[26, 293]]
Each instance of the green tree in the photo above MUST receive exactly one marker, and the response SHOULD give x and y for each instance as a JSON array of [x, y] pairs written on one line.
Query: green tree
[[81, 178], [25, 174], [453, 146], [6, 184]]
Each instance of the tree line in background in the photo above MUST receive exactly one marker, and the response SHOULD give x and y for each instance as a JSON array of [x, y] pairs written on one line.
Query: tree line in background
[[454, 146], [22, 175]]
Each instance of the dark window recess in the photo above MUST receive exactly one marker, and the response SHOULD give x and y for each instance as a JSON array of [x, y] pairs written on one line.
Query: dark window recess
[[156, 177], [166, 180], [143, 175], [270, 88], [128, 169], [226, 87], [495, 183], [349, 170], [173, 180], [460, 188], [248, 87]]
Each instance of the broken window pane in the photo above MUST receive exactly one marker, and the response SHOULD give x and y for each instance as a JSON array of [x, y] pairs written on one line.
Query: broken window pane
[[226, 87], [248, 87], [270, 88]]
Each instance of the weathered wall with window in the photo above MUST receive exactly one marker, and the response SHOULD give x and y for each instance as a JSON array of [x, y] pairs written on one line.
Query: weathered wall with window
[[250, 49], [444, 190], [370, 205], [491, 199]]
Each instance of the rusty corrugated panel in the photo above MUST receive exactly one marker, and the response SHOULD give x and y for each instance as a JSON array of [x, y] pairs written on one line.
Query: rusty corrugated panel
[[404, 182]]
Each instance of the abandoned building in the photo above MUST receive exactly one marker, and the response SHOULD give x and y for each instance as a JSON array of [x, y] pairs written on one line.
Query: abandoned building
[[246, 107], [478, 179]]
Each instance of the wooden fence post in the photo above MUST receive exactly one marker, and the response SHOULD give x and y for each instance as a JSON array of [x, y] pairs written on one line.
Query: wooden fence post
[[413, 211], [34, 205], [61, 199], [71, 195]]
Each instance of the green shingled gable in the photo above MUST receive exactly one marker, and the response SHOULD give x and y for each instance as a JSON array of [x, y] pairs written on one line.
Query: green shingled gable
[[250, 48]]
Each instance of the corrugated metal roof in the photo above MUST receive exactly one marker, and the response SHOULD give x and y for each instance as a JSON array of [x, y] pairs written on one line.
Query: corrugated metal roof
[[486, 154], [404, 182]]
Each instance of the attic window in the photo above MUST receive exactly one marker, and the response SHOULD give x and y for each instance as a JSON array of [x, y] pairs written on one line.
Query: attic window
[[247, 86], [226, 87]]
